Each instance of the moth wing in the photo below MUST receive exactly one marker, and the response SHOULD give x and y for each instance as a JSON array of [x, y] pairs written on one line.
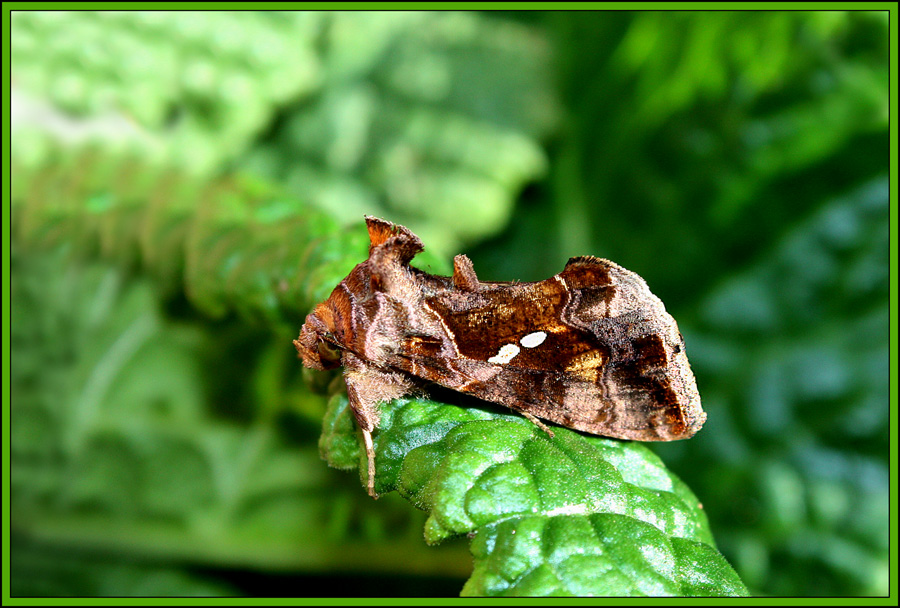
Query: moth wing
[[602, 400], [591, 349]]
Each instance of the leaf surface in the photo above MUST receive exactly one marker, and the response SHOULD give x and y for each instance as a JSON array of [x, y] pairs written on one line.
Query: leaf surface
[[568, 515]]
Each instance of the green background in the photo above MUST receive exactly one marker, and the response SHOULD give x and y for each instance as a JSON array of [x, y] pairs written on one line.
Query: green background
[[186, 185]]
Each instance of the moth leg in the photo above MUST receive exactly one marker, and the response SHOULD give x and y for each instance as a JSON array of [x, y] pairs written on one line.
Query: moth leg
[[367, 386], [538, 423], [370, 459]]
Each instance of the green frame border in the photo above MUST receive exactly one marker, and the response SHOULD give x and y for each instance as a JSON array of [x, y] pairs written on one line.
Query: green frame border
[[8, 7]]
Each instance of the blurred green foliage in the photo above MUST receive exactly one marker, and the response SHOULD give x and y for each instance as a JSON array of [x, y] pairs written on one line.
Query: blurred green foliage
[[186, 185]]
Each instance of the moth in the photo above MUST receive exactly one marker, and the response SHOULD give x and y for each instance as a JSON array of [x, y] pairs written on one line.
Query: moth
[[589, 349]]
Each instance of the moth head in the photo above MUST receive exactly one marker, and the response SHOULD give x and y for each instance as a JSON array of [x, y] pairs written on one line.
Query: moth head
[[317, 345]]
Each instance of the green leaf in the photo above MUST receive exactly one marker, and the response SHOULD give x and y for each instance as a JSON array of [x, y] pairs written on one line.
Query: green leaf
[[594, 555], [197, 87], [232, 244], [431, 119], [568, 515]]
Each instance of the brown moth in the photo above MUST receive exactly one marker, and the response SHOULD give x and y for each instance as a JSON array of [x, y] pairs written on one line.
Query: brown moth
[[589, 349]]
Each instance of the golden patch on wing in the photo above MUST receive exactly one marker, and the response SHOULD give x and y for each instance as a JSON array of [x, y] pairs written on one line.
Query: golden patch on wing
[[587, 365]]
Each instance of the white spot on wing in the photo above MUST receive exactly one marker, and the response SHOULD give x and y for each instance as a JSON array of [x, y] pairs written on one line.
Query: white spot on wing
[[533, 339], [506, 354]]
